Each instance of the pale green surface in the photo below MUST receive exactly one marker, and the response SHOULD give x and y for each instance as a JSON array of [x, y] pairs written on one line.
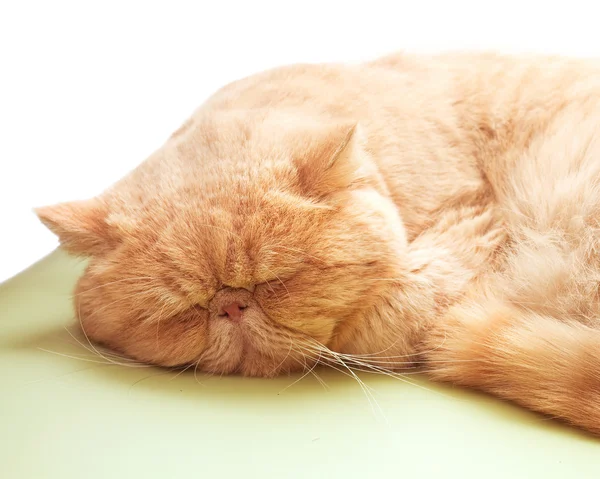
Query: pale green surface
[[66, 418]]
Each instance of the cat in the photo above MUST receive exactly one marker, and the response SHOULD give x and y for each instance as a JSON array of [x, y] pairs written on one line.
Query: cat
[[433, 211]]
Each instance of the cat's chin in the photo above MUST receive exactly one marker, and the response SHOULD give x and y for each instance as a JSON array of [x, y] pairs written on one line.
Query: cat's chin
[[252, 365]]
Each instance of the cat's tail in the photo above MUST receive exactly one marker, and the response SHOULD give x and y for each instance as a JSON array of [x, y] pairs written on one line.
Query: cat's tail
[[543, 363]]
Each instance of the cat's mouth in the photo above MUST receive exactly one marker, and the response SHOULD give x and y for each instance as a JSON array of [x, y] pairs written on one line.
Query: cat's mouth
[[251, 347]]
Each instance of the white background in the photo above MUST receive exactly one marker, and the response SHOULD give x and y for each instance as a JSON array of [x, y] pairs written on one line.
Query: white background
[[89, 89]]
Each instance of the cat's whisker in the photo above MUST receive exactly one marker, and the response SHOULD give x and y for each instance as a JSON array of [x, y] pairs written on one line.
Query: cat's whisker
[[303, 253], [330, 364], [158, 323], [383, 351], [150, 376], [67, 374], [183, 370], [93, 354], [122, 298], [403, 373], [321, 381], [86, 359], [375, 368], [276, 368], [300, 378], [313, 372], [74, 357], [317, 377], [282, 283], [106, 353], [95, 349], [367, 390], [395, 375], [279, 300], [376, 354], [286, 255], [196, 372], [138, 278]]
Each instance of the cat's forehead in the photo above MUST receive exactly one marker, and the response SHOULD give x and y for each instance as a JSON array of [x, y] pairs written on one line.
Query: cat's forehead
[[209, 226]]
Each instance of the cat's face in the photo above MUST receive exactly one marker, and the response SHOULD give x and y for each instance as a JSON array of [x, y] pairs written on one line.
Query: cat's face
[[237, 248]]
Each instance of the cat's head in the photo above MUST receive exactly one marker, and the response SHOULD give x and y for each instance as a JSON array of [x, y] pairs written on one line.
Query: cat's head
[[239, 246]]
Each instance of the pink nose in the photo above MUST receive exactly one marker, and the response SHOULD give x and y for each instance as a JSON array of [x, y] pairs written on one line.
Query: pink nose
[[232, 310]]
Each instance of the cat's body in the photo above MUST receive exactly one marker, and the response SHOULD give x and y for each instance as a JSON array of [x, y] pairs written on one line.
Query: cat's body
[[437, 211]]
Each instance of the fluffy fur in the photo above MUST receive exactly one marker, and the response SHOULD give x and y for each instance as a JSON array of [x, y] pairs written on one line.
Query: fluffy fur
[[438, 211]]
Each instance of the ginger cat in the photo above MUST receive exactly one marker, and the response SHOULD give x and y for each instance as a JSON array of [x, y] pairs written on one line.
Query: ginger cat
[[440, 211]]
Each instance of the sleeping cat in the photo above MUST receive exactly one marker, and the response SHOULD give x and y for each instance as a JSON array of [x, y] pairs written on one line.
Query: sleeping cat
[[433, 211]]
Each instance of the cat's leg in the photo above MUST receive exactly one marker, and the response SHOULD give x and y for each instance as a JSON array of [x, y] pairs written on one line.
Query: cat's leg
[[546, 364]]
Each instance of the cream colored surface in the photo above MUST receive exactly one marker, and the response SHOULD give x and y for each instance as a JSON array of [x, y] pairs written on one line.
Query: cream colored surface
[[63, 417]]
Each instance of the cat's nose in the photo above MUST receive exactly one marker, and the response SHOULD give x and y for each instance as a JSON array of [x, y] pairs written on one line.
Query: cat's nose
[[231, 303], [233, 310]]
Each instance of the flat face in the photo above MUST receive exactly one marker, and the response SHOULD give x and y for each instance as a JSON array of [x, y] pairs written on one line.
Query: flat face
[[69, 413]]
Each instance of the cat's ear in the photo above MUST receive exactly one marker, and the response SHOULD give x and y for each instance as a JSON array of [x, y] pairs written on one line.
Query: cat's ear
[[81, 226], [331, 160]]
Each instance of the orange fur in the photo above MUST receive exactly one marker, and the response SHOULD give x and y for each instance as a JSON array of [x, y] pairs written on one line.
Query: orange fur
[[437, 210]]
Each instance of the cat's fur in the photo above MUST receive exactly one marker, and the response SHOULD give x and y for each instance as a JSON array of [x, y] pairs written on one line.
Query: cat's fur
[[441, 211]]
